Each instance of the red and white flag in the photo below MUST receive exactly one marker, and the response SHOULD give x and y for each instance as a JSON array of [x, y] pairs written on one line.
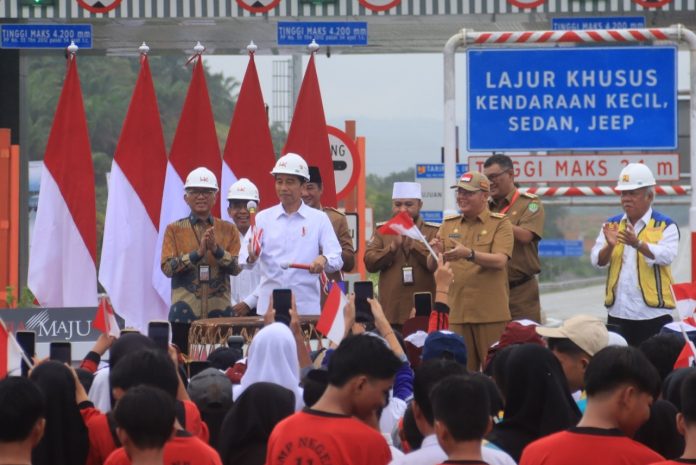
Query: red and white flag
[[105, 319], [133, 210], [687, 356], [331, 322], [308, 135], [62, 257], [685, 299], [402, 224], [10, 353], [249, 147], [195, 144]]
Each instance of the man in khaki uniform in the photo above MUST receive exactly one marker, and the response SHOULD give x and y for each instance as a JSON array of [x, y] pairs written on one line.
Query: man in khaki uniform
[[478, 243], [311, 195], [526, 214], [401, 261]]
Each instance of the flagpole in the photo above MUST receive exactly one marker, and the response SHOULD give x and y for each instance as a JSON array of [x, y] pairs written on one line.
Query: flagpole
[[425, 241]]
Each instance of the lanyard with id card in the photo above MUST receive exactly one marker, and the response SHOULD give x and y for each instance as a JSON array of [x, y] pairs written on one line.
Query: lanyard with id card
[[203, 268]]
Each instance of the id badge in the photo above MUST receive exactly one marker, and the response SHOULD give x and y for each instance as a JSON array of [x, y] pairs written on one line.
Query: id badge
[[407, 275], [204, 273]]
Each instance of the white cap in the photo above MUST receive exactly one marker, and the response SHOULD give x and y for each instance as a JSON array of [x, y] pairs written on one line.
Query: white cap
[[291, 163], [615, 339], [243, 189], [201, 177], [406, 190], [634, 176]]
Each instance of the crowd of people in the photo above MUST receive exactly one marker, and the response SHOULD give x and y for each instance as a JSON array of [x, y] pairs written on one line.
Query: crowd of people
[[478, 380]]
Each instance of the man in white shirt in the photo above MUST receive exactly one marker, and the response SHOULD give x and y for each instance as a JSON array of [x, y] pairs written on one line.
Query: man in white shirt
[[638, 246], [292, 233], [240, 195]]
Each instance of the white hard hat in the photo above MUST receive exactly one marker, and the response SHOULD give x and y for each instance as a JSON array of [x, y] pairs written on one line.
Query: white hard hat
[[634, 176], [201, 177], [243, 189], [291, 163]]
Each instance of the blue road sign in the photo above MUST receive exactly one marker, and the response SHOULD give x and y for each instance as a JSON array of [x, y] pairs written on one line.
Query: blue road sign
[[602, 22], [598, 98], [45, 35], [437, 170], [325, 33], [560, 248]]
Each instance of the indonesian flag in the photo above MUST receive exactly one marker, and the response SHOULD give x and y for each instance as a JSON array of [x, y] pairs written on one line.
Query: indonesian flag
[[685, 299], [308, 135], [195, 144], [249, 147], [105, 320], [331, 322], [401, 224], [133, 210], [686, 356], [62, 259], [10, 353]]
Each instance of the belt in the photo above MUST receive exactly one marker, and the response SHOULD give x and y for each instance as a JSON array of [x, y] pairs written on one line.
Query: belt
[[520, 282]]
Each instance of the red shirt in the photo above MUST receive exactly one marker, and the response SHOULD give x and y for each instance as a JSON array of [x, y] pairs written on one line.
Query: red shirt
[[182, 449], [318, 437]]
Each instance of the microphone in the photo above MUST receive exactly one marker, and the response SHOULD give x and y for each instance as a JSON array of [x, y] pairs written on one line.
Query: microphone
[[251, 206], [299, 266]]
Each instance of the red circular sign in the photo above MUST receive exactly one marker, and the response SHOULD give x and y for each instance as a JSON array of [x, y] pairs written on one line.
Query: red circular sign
[[346, 161], [258, 6], [652, 3], [99, 6], [526, 4], [379, 5]]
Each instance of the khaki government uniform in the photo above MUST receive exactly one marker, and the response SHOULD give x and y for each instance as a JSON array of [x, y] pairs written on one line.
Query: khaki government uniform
[[527, 212], [478, 296], [395, 297], [340, 226]]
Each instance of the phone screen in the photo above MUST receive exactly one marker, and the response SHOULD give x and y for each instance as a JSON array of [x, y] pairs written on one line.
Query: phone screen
[[363, 290], [282, 300], [423, 302], [196, 366], [61, 352], [158, 331], [27, 341]]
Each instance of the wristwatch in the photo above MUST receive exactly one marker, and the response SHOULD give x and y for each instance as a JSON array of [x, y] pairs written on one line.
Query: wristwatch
[[471, 256]]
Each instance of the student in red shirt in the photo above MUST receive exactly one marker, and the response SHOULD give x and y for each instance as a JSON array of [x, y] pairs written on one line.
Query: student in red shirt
[[461, 409], [621, 384], [686, 422], [361, 372]]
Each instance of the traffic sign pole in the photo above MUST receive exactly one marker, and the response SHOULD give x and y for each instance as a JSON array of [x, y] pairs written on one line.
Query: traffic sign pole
[[520, 38]]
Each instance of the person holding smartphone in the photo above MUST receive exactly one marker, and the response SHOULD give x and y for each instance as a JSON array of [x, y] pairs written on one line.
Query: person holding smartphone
[[199, 254]]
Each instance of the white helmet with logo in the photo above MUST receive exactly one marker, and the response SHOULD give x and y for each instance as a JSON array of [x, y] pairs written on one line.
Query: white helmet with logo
[[203, 178], [243, 189], [634, 176], [292, 163]]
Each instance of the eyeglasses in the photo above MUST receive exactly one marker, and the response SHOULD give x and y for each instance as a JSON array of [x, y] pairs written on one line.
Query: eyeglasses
[[200, 192], [493, 176]]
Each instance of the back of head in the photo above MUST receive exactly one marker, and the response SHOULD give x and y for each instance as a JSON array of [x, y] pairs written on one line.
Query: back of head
[[660, 431], [662, 350], [21, 406], [151, 367], [211, 391], [362, 355], [688, 399], [427, 375], [672, 386], [461, 404], [613, 367], [224, 357], [147, 415], [127, 343], [314, 385], [65, 438]]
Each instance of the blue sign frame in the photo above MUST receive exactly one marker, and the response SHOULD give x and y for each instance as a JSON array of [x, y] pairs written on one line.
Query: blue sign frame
[[560, 248], [600, 22], [45, 35], [582, 98], [353, 33]]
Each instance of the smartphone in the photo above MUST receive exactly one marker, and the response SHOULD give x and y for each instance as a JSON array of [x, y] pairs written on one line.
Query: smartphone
[[159, 332], [61, 352], [423, 302], [27, 341], [363, 290], [196, 366], [128, 330], [282, 301]]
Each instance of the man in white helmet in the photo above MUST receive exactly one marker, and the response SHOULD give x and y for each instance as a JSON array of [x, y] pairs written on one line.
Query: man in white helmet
[[243, 198], [294, 233], [638, 246], [199, 253]]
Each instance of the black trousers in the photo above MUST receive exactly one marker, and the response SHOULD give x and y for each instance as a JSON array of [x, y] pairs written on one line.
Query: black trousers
[[636, 331]]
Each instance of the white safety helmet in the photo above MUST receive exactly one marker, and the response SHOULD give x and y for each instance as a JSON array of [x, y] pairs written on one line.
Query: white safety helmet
[[203, 178], [634, 176], [243, 189], [292, 163]]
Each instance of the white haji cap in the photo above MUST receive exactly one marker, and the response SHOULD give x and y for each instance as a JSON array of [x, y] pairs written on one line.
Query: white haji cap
[[406, 190]]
